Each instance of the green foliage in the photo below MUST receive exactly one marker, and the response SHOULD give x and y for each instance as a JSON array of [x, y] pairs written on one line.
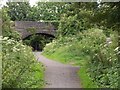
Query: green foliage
[[78, 17], [104, 15], [103, 64], [73, 44], [7, 30], [37, 42], [87, 82], [19, 66], [70, 26], [90, 50], [0, 69], [107, 16], [42, 11], [18, 10], [49, 10]]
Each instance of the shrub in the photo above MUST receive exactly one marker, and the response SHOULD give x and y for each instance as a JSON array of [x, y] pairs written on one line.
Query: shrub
[[70, 25], [89, 49], [0, 69], [19, 67], [7, 29], [103, 63]]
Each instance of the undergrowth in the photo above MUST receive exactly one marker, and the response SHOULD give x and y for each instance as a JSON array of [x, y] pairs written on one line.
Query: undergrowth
[[20, 69], [90, 50]]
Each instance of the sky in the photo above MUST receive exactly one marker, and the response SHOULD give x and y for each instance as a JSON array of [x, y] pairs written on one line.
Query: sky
[[32, 2]]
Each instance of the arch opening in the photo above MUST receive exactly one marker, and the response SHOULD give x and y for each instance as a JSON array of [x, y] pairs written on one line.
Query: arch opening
[[38, 40]]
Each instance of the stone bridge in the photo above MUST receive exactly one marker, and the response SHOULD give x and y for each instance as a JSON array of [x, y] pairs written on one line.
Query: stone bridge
[[23, 28]]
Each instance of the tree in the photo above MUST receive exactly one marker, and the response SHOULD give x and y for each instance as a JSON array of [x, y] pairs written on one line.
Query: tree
[[108, 15], [43, 11], [7, 30], [50, 10], [18, 10]]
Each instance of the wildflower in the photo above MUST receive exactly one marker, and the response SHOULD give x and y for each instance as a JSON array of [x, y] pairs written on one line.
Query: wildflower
[[116, 49], [95, 54], [15, 49], [108, 41], [110, 60], [5, 38], [86, 50], [105, 45], [1, 38]]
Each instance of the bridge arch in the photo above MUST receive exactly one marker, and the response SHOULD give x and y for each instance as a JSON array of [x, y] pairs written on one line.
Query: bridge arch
[[44, 34], [38, 40], [41, 30]]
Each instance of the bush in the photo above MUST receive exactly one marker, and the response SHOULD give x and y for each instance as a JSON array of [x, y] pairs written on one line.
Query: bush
[[90, 50], [103, 63], [70, 25], [7, 28], [19, 66], [0, 69]]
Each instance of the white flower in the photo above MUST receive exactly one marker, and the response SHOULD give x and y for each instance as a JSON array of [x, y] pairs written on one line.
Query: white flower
[[5, 38], [1, 38], [109, 42], [110, 60], [15, 49], [95, 54], [116, 49], [105, 45]]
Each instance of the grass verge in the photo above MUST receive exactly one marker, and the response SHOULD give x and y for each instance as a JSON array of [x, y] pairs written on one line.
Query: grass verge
[[86, 81]]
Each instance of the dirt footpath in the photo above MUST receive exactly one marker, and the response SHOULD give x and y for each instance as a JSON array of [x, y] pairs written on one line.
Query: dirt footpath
[[59, 75]]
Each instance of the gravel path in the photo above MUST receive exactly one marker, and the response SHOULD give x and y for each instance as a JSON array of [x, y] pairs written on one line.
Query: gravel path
[[59, 75]]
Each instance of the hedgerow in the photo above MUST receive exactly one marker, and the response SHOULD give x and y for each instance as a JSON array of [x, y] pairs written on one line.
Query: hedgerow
[[90, 50], [20, 69]]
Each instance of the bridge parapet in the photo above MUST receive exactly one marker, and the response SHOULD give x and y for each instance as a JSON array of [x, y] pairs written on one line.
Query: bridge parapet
[[40, 27]]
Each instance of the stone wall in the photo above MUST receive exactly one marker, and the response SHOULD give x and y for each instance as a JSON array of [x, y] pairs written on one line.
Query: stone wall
[[41, 27]]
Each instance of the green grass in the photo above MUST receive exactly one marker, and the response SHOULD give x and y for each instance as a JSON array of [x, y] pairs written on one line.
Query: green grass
[[64, 56], [20, 67], [55, 57], [38, 75], [86, 81], [88, 50], [69, 58]]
